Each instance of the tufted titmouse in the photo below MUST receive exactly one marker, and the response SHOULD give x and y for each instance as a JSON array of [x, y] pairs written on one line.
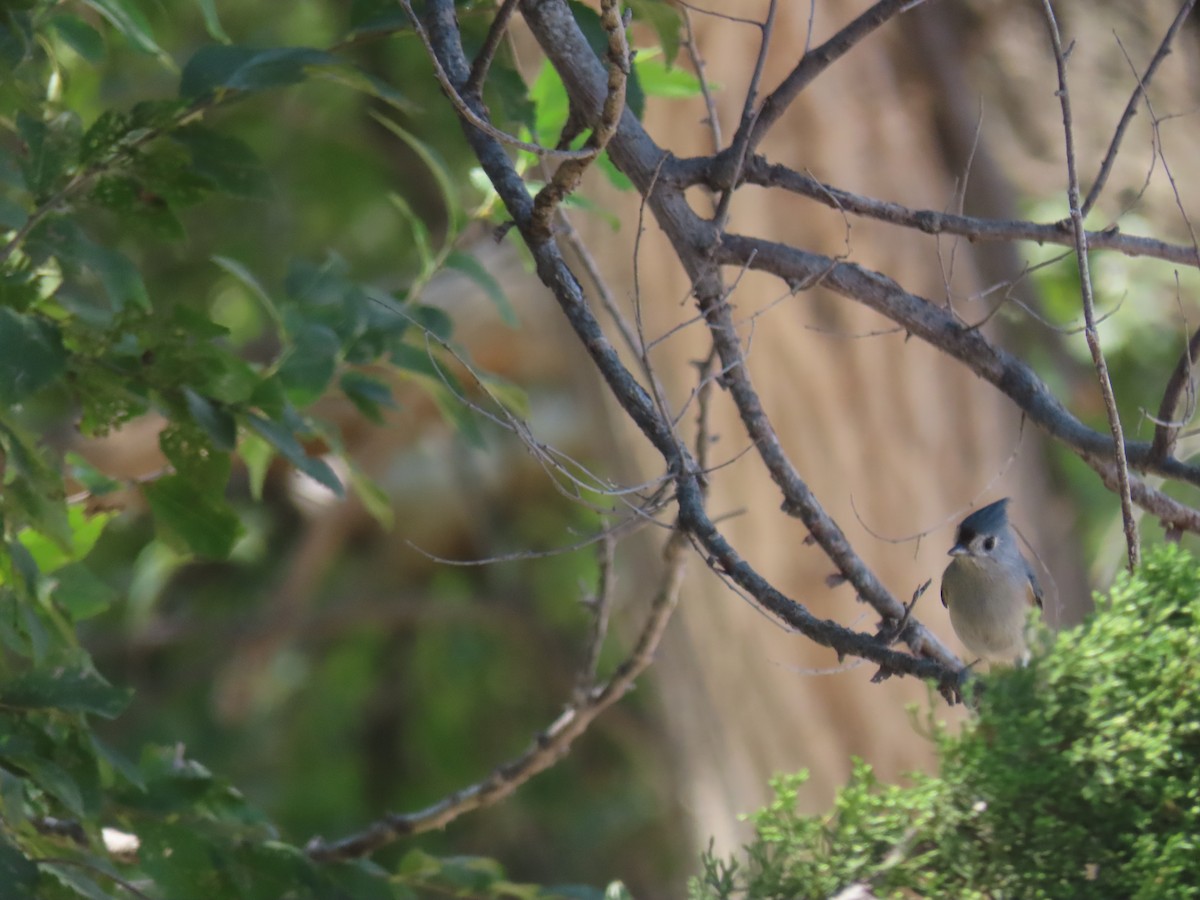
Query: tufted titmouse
[[989, 587]]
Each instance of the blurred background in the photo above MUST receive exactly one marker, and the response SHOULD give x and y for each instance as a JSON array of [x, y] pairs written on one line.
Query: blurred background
[[335, 669]]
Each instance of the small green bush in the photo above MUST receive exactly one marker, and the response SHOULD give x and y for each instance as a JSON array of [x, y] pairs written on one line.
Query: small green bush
[[1079, 778]]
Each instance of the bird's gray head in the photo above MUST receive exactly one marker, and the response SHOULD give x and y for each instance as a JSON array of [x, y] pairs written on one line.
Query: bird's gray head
[[984, 533]]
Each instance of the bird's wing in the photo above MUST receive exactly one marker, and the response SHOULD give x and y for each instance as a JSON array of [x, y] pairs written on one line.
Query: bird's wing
[[1034, 589]]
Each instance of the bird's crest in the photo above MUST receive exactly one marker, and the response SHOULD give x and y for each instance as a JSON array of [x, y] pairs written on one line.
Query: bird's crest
[[989, 520]]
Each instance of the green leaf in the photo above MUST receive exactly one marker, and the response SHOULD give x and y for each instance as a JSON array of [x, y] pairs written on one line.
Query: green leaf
[[310, 363], [81, 593], [257, 454], [75, 880], [205, 523], [373, 497], [420, 234], [95, 482], [212, 23], [247, 279], [80, 37], [473, 269], [249, 69], [121, 279], [215, 420], [434, 320], [18, 873], [31, 355], [50, 777], [364, 82], [370, 395], [455, 412], [51, 147], [225, 161], [118, 762], [666, 22], [441, 173], [285, 442], [661, 80], [82, 531], [70, 689], [129, 21]]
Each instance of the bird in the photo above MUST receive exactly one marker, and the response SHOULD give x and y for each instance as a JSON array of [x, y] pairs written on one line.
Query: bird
[[990, 588]]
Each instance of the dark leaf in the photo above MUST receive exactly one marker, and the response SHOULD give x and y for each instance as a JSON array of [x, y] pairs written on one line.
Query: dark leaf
[[73, 689], [370, 395], [31, 355], [80, 37], [310, 363], [216, 421], [249, 69], [128, 19], [285, 442], [205, 523], [225, 161]]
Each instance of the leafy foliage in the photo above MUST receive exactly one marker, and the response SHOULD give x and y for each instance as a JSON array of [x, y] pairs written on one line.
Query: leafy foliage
[[1077, 778], [108, 199]]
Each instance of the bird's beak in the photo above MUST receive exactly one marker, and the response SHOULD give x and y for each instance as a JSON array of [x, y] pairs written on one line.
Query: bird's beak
[[958, 550]]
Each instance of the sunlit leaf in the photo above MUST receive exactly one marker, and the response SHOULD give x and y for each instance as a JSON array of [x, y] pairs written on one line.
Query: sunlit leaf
[[659, 79]]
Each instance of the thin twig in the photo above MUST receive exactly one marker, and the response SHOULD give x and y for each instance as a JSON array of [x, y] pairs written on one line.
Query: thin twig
[[600, 606], [810, 66], [1164, 49], [483, 60], [713, 121], [546, 748], [464, 109], [741, 140], [1089, 311], [1167, 426]]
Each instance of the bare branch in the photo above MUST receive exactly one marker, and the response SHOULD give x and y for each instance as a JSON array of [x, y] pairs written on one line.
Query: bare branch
[[758, 171], [1167, 427], [570, 173], [1089, 310], [483, 59], [753, 130], [479, 118], [1164, 49]]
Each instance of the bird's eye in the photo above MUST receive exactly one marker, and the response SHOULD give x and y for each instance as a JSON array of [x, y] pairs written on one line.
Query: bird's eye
[[989, 543]]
